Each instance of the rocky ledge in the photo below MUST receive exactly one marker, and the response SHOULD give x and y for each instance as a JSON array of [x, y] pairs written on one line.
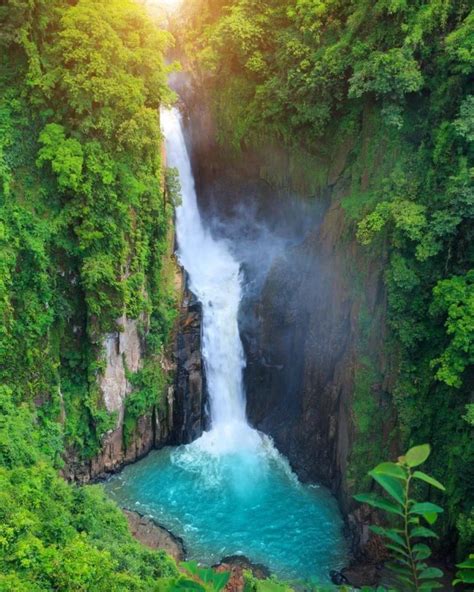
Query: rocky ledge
[[154, 536]]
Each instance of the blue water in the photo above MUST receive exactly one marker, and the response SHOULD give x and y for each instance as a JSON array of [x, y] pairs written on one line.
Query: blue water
[[237, 503]]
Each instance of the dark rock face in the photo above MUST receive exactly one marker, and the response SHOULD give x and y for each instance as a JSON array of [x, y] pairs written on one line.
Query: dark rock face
[[303, 356], [300, 362], [189, 414], [153, 430]]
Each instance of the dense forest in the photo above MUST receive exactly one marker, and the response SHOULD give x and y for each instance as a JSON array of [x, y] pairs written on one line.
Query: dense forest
[[392, 82], [84, 226], [86, 229]]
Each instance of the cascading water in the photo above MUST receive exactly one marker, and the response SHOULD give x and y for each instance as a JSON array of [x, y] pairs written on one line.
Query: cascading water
[[215, 279], [230, 491]]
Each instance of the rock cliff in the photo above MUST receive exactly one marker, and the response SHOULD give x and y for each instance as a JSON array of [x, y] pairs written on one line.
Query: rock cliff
[[189, 414], [177, 417]]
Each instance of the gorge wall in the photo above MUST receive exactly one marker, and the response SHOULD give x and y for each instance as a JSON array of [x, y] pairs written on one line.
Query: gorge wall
[[317, 379], [178, 414]]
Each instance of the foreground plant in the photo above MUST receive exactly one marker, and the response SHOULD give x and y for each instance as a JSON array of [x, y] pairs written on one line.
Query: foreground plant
[[465, 572], [413, 519], [206, 579]]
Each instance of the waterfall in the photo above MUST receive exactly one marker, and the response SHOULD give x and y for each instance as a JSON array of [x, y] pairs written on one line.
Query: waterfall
[[229, 492], [214, 277]]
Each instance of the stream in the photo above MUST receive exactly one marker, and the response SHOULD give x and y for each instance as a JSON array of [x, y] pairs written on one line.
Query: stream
[[229, 492]]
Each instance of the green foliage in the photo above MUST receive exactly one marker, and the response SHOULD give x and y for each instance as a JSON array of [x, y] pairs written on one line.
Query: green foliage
[[465, 572], [211, 579], [454, 298], [148, 389], [252, 584], [404, 540], [391, 73], [84, 241], [173, 186], [55, 536], [65, 155], [84, 226], [288, 68], [18, 442]]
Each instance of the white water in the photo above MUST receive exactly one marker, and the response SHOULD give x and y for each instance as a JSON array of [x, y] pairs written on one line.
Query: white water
[[215, 279]]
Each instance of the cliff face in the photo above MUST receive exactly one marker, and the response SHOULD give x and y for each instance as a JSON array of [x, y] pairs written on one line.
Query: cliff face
[[178, 415], [305, 354], [300, 394], [189, 413]]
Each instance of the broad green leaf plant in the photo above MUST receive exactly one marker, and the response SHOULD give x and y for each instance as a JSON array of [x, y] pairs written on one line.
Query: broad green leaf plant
[[465, 571], [413, 519], [210, 579]]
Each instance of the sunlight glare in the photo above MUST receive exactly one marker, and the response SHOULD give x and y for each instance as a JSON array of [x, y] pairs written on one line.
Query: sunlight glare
[[167, 5]]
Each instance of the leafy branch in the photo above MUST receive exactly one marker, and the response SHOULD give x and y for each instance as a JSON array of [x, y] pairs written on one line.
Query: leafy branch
[[465, 572], [413, 519]]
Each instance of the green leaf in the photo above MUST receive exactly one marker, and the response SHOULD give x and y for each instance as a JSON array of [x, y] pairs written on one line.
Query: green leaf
[[430, 586], [420, 566], [185, 584], [428, 479], [430, 517], [421, 551], [378, 502], [207, 575], [191, 566], [220, 580], [421, 531], [466, 572], [391, 485], [465, 576], [400, 569], [405, 580], [425, 508], [268, 586], [390, 469], [389, 533], [467, 563], [430, 572], [397, 549], [417, 455]]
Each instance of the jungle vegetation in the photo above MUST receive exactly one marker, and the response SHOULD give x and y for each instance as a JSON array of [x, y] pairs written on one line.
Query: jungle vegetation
[[84, 226]]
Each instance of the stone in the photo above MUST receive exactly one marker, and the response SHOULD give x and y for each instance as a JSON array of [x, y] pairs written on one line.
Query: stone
[[189, 412], [179, 419], [258, 570], [154, 536], [237, 565]]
